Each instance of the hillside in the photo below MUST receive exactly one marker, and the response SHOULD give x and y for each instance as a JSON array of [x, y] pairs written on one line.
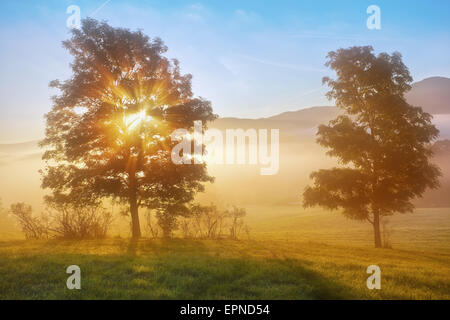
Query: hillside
[[432, 94]]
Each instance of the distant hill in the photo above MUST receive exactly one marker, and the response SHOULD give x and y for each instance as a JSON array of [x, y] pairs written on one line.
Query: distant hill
[[292, 125], [305, 118], [432, 94], [299, 155], [19, 147], [441, 148], [440, 196]]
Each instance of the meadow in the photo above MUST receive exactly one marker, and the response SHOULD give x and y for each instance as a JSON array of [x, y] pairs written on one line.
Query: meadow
[[290, 253]]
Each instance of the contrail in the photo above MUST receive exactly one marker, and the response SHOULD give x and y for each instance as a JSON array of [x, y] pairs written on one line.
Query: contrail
[[99, 8], [283, 65]]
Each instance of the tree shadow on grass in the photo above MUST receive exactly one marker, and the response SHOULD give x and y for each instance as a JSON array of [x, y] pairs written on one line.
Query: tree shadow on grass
[[135, 247], [195, 273], [171, 269], [322, 287], [191, 270], [132, 247]]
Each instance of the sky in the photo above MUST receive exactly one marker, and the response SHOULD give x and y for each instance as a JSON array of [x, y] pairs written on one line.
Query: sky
[[249, 58]]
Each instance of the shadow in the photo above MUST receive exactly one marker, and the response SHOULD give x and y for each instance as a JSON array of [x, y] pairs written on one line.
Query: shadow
[[173, 269], [132, 247]]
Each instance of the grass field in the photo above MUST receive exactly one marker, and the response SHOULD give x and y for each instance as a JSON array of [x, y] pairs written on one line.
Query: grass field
[[291, 254]]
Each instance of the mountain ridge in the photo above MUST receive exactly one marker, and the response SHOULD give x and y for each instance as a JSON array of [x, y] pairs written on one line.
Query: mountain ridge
[[421, 90], [432, 94]]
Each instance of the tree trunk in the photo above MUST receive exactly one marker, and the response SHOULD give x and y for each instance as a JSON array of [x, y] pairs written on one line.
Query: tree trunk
[[134, 209], [135, 225], [376, 229]]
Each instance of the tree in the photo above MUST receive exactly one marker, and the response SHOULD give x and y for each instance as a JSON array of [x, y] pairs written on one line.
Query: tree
[[108, 132], [383, 140]]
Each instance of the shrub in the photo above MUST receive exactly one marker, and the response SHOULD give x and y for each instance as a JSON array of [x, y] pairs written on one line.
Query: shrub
[[32, 227], [76, 222], [236, 216], [63, 221], [208, 221], [152, 227]]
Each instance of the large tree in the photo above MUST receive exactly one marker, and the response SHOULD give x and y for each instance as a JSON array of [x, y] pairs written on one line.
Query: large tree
[[108, 133], [382, 139]]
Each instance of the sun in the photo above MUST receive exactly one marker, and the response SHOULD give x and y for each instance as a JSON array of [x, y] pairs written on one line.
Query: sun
[[132, 121]]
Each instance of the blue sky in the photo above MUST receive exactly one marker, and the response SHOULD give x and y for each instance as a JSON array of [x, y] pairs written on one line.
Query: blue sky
[[250, 58]]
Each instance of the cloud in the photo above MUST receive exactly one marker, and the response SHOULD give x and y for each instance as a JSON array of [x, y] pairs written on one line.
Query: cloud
[[343, 37], [245, 16], [229, 65], [283, 65], [195, 13]]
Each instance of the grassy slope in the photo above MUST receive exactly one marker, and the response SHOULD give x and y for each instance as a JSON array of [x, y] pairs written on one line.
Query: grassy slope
[[292, 254]]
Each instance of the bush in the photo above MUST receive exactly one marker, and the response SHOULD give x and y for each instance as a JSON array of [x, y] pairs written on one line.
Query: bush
[[236, 216], [152, 227], [167, 215], [63, 221], [199, 221], [74, 222], [32, 227], [208, 221]]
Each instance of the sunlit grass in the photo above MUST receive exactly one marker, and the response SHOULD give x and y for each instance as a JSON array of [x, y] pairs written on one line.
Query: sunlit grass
[[224, 269], [291, 254]]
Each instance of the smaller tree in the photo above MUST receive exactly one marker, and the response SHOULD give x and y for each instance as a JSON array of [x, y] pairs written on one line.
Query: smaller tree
[[383, 140]]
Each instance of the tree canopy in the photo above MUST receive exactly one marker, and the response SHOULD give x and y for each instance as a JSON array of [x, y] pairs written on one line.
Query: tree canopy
[[382, 141], [108, 132]]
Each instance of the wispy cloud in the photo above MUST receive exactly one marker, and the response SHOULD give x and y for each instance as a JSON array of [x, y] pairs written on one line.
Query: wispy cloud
[[194, 13], [246, 16], [283, 65], [308, 35], [338, 37]]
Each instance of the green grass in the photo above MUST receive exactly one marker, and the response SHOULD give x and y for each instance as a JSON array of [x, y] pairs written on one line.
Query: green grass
[[291, 254], [225, 269], [423, 230]]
